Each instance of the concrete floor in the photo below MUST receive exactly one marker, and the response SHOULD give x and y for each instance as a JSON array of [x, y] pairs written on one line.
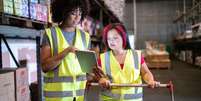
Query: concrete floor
[[186, 79]]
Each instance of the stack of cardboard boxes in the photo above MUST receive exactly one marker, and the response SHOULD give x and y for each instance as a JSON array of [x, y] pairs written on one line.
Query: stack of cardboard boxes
[[7, 87], [17, 83]]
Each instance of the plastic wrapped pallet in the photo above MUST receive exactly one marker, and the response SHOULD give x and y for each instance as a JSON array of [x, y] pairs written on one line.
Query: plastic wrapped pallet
[[156, 55]]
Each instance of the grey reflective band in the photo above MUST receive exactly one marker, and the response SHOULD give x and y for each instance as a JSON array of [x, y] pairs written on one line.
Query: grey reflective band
[[125, 96], [64, 79], [54, 40], [107, 65], [59, 79], [53, 94], [55, 46], [135, 59], [133, 96], [136, 95], [84, 42], [136, 90], [81, 78], [110, 94], [80, 92]]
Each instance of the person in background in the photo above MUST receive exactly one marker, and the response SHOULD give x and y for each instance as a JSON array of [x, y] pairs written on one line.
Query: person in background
[[122, 65], [87, 25], [63, 78]]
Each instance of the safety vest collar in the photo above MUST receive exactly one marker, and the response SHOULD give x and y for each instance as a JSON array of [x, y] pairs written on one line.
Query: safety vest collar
[[78, 34], [108, 63]]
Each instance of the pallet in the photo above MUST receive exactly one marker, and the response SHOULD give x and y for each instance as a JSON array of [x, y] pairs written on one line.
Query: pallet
[[13, 20], [157, 57], [158, 61], [159, 65]]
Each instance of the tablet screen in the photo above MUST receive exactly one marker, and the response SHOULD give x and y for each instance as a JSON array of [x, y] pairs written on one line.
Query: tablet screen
[[87, 60]]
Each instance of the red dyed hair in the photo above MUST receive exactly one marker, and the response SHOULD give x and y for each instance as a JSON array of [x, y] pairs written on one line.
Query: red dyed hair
[[119, 28]]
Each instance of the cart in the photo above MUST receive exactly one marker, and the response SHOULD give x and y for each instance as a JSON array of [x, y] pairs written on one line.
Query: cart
[[168, 85]]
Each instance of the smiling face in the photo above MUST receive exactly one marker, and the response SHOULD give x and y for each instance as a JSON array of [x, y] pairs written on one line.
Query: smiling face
[[114, 39], [73, 18]]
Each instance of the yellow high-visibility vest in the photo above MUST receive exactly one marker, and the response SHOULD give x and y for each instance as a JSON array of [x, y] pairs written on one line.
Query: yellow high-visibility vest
[[130, 74], [67, 80]]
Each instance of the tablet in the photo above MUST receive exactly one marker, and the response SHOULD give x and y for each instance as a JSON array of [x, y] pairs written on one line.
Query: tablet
[[87, 60]]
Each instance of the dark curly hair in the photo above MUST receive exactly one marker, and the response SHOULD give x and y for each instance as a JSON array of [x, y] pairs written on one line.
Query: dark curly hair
[[61, 9]]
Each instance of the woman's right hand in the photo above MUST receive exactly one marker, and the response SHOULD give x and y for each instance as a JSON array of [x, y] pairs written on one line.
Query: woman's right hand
[[104, 83], [71, 49]]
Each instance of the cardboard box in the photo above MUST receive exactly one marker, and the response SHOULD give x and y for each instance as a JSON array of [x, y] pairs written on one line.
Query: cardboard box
[[33, 1], [21, 9], [156, 57], [7, 87], [159, 64], [20, 76], [42, 12], [6, 6], [23, 93], [33, 10], [21, 83]]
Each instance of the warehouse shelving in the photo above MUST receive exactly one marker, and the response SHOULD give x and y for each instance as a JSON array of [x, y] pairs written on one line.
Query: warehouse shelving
[[193, 44], [190, 19], [13, 20], [17, 26], [13, 32]]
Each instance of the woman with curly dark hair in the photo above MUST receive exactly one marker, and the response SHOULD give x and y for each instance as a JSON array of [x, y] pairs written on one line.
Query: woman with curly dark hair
[[63, 78]]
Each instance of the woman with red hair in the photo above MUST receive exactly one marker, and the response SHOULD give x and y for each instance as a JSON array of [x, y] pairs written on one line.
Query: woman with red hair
[[122, 65]]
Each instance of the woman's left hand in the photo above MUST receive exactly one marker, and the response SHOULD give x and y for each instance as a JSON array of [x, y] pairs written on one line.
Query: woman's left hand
[[153, 84]]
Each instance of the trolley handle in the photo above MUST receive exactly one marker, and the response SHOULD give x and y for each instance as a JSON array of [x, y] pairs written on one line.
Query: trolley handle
[[132, 85]]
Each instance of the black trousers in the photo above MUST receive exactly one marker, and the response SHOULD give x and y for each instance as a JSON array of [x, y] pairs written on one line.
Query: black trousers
[[74, 99]]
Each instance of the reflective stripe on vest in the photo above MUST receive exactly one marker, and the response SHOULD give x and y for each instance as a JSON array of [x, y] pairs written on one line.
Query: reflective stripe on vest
[[83, 39], [135, 58], [107, 66], [63, 93], [54, 37], [64, 79], [126, 96], [135, 94]]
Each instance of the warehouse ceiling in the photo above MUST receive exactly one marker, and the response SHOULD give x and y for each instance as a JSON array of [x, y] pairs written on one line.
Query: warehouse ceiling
[[129, 1], [108, 16]]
